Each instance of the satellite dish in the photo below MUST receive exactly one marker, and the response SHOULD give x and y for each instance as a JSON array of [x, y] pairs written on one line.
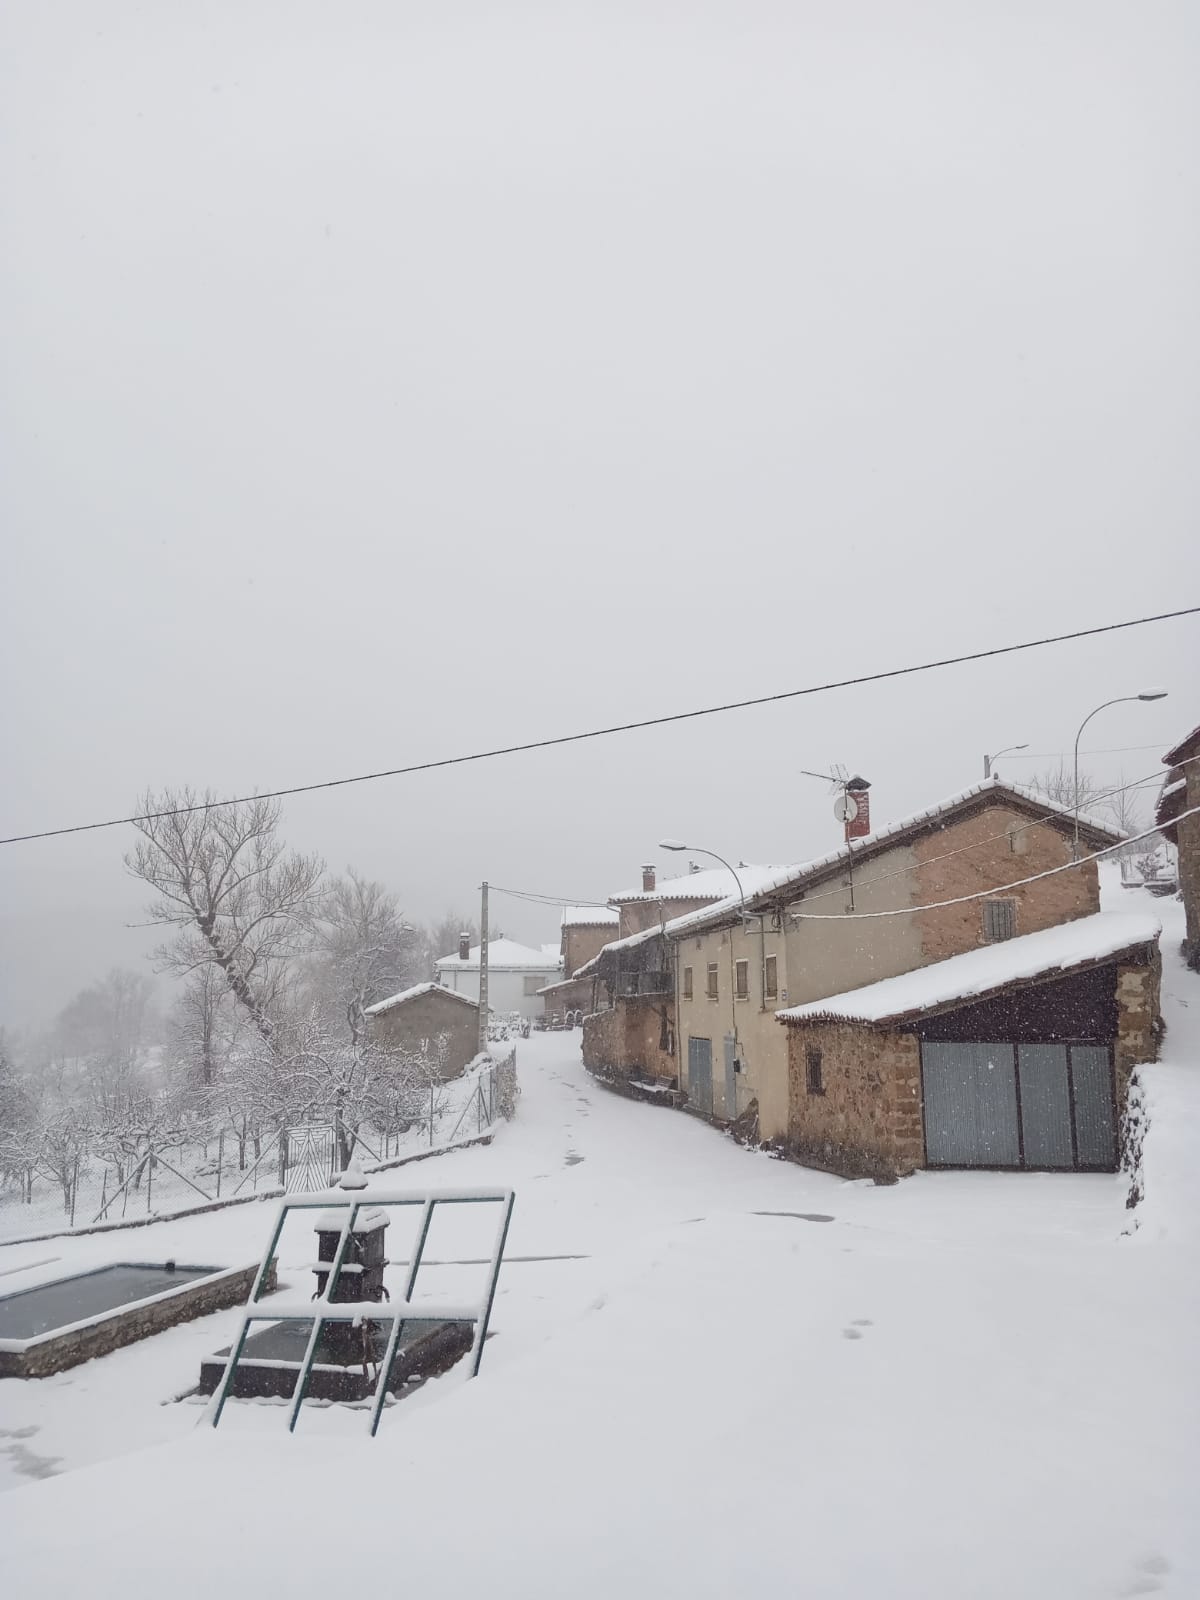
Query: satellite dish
[[845, 808]]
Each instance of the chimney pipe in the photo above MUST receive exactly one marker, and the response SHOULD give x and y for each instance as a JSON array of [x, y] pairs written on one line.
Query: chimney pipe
[[648, 880], [464, 947]]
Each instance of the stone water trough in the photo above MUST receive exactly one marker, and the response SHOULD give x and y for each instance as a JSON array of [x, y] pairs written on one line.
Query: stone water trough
[[59, 1324]]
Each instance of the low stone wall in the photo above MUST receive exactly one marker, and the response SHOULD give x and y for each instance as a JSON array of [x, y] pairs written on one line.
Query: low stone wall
[[126, 1325], [866, 1122]]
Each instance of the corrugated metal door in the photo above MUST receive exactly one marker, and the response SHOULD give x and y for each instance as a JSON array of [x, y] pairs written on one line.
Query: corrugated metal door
[[730, 1077], [700, 1084], [1091, 1079], [970, 1105], [1045, 1105]]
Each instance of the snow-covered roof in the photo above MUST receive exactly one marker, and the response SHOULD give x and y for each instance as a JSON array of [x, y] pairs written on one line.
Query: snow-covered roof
[[413, 994], [712, 883], [590, 917], [1177, 752], [977, 973], [504, 954]]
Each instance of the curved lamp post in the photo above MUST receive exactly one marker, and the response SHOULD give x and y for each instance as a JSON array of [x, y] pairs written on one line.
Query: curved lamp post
[[987, 760], [694, 849], [1146, 694]]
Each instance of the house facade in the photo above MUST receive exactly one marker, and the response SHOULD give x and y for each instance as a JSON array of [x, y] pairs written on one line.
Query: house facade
[[517, 974], [585, 932], [630, 1021], [1013, 1056], [871, 910], [432, 1021], [1181, 793]]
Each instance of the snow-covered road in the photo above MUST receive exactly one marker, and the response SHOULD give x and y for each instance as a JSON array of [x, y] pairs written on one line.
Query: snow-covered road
[[748, 1377]]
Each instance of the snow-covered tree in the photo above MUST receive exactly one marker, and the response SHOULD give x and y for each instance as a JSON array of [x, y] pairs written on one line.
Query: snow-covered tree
[[235, 897]]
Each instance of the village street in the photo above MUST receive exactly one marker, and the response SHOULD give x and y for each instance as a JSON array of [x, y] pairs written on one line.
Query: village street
[[747, 1376]]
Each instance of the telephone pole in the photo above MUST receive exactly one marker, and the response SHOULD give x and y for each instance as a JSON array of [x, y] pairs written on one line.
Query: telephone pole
[[483, 968]]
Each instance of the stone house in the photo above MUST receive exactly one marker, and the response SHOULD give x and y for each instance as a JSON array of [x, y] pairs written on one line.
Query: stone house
[[585, 932], [629, 1023], [1013, 1056], [421, 1018], [1180, 793], [805, 936]]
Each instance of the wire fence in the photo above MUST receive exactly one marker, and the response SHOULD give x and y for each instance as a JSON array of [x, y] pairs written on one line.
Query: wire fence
[[216, 1168]]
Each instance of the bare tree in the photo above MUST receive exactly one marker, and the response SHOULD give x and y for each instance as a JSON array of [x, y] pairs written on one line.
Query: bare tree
[[235, 896], [1058, 786], [365, 951]]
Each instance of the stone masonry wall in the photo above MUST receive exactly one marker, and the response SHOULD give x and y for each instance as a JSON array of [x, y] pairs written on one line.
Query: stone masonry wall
[[55, 1354], [868, 1119], [627, 1038], [1187, 833], [985, 861], [1138, 1020], [429, 1017]]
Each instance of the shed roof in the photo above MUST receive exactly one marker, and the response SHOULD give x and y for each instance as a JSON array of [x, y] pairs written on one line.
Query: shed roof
[[964, 979], [415, 993]]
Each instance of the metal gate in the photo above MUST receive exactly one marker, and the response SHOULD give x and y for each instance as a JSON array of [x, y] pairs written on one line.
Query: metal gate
[[994, 1104], [309, 1159], [700, 1084]]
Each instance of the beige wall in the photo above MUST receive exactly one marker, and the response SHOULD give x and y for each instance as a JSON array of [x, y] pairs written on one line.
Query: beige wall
[[819, 958], [814, 959], [427, 1018], [638, 915]]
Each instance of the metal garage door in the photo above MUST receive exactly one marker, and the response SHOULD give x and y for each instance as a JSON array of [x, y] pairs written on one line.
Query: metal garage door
[[1065, 1093], [1045, 1105], [1091, 1079], [699, 1084], [970, 1105]]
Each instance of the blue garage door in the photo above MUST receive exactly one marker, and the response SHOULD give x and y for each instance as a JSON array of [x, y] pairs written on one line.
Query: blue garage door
[[699, 1084]]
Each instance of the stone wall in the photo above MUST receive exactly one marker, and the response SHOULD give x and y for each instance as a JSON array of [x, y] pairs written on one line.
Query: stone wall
[[627, 1039], [1187, 834], [56, 1352], [1139, 1023], [867, 1120], [994, 847], [419, 1023]]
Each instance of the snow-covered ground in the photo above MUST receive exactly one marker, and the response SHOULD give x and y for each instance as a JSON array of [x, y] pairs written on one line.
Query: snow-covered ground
[[750, 1378]]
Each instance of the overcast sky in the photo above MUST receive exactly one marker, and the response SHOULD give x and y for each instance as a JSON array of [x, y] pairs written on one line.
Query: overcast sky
[[384, 381]]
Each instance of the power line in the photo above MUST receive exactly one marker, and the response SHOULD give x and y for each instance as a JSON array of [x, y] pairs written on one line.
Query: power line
[[561, 900], [606, 732]]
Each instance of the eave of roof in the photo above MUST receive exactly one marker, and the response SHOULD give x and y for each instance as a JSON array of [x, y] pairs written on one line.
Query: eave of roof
[[977, 975]]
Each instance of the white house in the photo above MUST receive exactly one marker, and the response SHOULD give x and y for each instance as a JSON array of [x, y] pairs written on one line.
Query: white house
[[516, 973]]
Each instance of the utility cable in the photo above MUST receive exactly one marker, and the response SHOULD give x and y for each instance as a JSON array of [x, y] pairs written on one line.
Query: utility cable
[[602, 733]]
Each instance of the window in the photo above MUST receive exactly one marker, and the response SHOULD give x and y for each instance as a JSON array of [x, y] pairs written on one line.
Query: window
[[712, 980], [741, 980], [771, 978], [687, 983], [536, 982], [999, 920], [812, 1071]]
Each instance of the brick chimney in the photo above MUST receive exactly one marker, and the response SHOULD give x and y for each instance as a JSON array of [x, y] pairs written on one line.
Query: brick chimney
[[648, 880], [464, 947]]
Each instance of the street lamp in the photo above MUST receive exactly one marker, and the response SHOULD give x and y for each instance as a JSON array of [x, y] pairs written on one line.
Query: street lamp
[[693, 849], [1146, 694], [987, 760]]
